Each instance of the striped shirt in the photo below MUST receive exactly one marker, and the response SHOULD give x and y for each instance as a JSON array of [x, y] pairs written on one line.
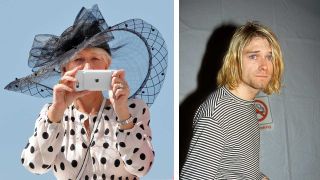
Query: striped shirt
[[226, 140]]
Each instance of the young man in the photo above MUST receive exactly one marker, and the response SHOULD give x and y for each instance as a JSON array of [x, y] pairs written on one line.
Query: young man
[[226, 136]]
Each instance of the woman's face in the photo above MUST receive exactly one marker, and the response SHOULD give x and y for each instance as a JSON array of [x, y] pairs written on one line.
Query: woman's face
[[89, 58]]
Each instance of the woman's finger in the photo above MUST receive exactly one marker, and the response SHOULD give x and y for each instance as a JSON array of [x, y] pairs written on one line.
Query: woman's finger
[[119, 73], [80, 94], [74, 71], [66, 79], [62, 87], [119, 93]]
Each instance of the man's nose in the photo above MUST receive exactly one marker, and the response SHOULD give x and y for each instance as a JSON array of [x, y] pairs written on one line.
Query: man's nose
[[263, 64]]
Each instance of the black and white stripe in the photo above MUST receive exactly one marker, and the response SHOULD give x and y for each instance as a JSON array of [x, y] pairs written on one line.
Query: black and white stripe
[[226, 140]]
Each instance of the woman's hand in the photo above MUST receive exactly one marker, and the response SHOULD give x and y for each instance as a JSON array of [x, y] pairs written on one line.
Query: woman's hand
[[119, 94], [64, 94]]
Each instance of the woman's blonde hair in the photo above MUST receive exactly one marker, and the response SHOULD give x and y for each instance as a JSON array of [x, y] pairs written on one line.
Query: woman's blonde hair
[[231, 70]]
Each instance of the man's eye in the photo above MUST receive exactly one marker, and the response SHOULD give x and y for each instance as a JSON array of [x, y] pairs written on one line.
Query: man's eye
[[253, 57], [270, 58]]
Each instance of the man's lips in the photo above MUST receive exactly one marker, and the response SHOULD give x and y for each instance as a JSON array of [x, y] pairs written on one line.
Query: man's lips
[[262, 76]]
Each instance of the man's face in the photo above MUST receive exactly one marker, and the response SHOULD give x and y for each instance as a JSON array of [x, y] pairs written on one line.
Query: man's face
[[90, 58], [257, 68]]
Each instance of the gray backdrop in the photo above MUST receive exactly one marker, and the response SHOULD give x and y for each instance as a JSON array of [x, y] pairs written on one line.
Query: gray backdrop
[[291, 151]]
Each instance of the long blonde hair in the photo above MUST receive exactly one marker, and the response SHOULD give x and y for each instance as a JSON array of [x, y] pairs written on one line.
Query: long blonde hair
[[231, 70]]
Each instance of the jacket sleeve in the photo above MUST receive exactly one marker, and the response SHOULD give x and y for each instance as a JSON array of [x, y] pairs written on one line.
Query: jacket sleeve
[[205, 151], [134, 145], [43, 146]]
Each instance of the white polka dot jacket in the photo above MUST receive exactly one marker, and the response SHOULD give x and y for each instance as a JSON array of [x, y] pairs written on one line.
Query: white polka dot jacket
[[110, 153]]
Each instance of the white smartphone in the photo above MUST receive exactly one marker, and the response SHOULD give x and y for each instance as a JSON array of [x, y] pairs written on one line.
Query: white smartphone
[[93, 80]]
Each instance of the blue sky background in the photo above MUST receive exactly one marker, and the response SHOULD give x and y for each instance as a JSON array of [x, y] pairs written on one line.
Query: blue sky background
[[20, 22]]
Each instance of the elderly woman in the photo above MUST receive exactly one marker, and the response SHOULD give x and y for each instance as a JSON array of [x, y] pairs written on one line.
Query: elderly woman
[[81, 134]]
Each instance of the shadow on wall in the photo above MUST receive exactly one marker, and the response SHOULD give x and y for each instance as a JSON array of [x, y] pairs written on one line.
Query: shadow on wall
[[207, 83]]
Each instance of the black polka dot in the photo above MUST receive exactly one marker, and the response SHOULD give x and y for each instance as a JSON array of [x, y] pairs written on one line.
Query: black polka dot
[[112, 177], [57, 135], [135, 120], [66, 118], [134, 178], [72, 132], [149, 123], [94, 119], [86, 177], [62, 149], [45, 135], [84, 145], [142, 156], [74, 163], [103, 160], [108, 108], [32, 149], [103, 176], [133, 105], [55, 168], [150, 164], [81, 116], [27, 145], [93, 143], [139, 136], [93, 160], [72, 147], [143, 110], [141, 169], [117, 134], [129, 161], [135, 150], [96, 131], [45, 166], [141, 126], [117, 163], [94, 176], [61, 166], [120, 178], [83, 132], [72, 118], [22, 160], [121, 130], [128, 133], [35, 134], [65, 132], [31, 165], [50, 148], [106, 132], [106, 145], [122, 144], [106, 118]]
